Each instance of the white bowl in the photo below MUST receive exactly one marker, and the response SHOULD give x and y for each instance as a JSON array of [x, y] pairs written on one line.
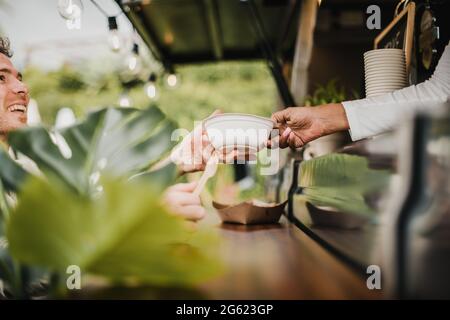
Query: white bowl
[[244, 132]]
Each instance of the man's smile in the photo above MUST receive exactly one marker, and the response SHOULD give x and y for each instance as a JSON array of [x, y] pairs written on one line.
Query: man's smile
[[21, 108]]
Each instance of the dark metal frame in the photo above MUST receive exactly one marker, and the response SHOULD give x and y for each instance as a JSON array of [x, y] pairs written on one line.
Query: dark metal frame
[[135, 14], [269, 54]]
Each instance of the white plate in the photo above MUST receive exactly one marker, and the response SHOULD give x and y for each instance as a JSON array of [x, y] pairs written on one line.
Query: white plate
[[385, 65], [371, 95], [378, 64], [385, 80], [386, 72], [383, 77], [389, 87], [383, 52], [386, 85], [238, 130], [370, 92], [381, 57], [384, 88]]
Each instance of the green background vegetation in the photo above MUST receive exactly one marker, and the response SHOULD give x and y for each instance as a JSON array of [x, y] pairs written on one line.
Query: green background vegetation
[[232, 86]]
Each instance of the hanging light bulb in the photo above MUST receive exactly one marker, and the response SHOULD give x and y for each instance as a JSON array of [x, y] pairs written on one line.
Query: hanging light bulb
[[125, 100], [70, 9], [172, 80], [114, 40], [150, 87], [73, 24], [133, 61]]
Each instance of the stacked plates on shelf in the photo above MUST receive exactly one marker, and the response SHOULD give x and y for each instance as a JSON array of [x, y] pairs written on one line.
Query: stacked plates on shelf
[[385, 71]]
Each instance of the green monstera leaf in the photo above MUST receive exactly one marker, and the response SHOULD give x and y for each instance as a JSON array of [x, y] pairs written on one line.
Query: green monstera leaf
[[76, 220], [123, 233], [119, 141], [341, 181], [11, 174]]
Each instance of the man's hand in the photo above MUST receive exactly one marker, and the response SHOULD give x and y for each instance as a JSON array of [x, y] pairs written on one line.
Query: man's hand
[[193, 153], [180, 200], [300, 125]]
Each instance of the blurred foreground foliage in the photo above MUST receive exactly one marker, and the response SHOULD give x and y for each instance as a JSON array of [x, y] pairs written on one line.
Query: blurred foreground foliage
[[94, 205], [125, 234]]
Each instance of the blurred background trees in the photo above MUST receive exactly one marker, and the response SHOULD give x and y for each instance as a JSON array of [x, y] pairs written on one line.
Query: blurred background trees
[[232, 86]]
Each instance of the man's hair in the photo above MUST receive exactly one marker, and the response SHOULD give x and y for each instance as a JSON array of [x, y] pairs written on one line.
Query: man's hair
[[4, 47]]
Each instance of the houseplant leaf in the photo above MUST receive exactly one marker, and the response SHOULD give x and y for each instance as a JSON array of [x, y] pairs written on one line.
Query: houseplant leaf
[[11, 174], [119, 141], [122, 234], [341, 181]]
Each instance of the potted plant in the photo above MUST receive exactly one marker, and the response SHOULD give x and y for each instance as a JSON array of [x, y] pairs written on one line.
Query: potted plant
[[324, 94]]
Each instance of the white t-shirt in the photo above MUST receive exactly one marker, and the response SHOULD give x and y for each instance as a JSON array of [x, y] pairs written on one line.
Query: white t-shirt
[[371, 116]]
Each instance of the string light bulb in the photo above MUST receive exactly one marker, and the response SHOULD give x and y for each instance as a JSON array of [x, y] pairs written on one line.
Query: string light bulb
[[114, 39], [70, 9], [172, 80], [150, 87], [125, 100], [133, 61]]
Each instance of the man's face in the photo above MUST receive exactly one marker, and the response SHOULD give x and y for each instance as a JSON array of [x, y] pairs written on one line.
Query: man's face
[[13, 97]]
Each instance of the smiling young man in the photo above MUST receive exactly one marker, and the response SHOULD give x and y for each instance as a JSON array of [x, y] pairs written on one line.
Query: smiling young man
[[14, 98], [14, 95]]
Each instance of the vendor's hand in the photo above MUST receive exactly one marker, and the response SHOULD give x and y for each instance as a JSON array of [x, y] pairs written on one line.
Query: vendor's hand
[[180, 200], [300, 125]]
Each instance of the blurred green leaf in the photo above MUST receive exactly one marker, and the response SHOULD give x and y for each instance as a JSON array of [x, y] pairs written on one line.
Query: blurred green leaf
[[124, 234], [331, 92], [119, 141], [12, 175], [341, 181]]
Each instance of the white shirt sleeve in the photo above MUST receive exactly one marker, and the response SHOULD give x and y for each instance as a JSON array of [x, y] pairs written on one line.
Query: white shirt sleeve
[[371, 116]]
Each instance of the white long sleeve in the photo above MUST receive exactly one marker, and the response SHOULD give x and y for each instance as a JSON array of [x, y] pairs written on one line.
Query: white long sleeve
[[371, 116]]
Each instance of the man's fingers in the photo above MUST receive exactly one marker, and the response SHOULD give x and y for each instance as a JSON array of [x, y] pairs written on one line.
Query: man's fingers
[[295, 141], [281, 116], [217, 111], [192, 212], [184, 187]]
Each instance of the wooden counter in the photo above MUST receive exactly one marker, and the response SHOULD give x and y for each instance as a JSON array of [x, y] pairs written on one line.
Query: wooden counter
[[281, 262], [276, 261]]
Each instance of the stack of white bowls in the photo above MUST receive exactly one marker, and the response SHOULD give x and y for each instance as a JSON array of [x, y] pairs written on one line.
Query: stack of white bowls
[[385, 71]]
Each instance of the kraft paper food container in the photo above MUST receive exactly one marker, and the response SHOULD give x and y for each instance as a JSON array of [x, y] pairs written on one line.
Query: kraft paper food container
[[250, 212]]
